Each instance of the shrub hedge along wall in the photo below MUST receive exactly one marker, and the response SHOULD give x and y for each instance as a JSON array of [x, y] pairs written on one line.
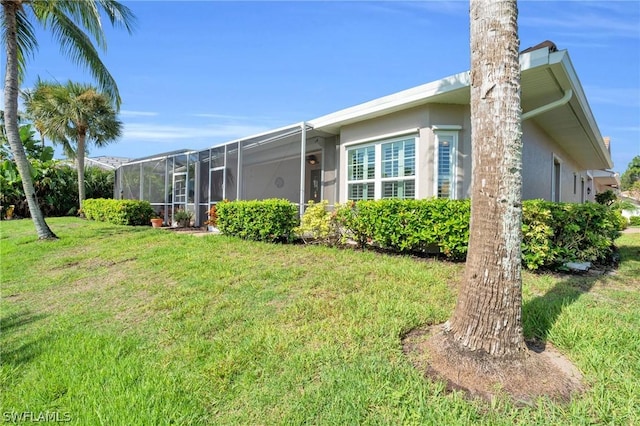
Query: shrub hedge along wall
[[552, 233], [118, 212]]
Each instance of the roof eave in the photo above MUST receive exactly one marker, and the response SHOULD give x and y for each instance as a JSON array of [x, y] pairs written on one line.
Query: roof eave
[[561, 62]]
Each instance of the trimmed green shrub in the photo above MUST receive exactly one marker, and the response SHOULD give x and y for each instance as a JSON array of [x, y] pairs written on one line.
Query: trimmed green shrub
[[409, 226], [634, 221], [118, 212], [537, 235], [553, 233], [270, 220], [318, 225], [576, 233]]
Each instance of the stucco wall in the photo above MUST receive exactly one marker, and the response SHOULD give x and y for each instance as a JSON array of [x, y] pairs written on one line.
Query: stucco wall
[[417, 121], [538, 153]]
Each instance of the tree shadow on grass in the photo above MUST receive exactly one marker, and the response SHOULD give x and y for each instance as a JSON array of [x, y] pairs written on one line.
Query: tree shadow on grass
[[541, 313], [16, 350]]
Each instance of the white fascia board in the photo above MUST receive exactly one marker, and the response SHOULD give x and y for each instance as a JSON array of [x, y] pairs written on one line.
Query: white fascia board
[[415, 95], [534, 59], [608, 176], [562, 58]]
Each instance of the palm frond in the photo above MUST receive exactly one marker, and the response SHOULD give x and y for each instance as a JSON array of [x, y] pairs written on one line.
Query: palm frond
[[119, 14], [78, 46], [26, 40]]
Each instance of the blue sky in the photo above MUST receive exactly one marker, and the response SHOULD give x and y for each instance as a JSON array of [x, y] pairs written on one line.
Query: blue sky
[[195, 74]]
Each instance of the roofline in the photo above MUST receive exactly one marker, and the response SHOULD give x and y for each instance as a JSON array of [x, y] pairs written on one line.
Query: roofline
[[415, 95], [162, 156], [108, 166], [262, 134], [421, 94], [562, 58]]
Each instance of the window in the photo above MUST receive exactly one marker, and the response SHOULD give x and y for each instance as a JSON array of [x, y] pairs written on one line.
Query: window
[[445, 168], [361, 173], [385, 169]]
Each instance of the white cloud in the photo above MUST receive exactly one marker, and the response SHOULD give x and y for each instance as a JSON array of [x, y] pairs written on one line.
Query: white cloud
[[170, 133]]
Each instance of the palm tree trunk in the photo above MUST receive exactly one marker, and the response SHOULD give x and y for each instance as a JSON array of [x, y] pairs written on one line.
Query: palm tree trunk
[[11, 120], [80, 152], [488, 313]]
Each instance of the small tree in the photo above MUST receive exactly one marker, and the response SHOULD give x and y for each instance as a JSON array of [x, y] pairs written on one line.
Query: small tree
[[74, 115], [631, 175]]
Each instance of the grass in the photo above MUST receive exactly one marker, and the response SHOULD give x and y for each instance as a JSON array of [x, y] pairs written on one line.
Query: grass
[[132, 325]]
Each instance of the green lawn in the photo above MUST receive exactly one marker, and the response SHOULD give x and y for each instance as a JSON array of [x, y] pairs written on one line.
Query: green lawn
[[138, 326]]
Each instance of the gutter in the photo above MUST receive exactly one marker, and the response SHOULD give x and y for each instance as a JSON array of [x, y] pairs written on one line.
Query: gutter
[[568, 94]]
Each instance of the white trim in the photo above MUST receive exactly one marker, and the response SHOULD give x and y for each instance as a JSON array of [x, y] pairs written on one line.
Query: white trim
[[378, 180], [384, 137], [444, 127], [453, 161]]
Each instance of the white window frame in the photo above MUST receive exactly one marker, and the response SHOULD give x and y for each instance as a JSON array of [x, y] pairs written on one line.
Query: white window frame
[[378, 179], [453, 164], [366, 180]]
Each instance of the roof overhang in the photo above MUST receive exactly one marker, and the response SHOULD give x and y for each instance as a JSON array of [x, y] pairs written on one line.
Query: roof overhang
[[546, 77], [606, 178]]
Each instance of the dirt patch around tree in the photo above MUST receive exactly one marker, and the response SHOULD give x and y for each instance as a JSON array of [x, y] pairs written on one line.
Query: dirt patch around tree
[[543, 372]]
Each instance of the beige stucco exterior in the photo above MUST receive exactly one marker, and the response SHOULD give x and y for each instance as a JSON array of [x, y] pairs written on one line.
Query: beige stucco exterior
[[540, 152]]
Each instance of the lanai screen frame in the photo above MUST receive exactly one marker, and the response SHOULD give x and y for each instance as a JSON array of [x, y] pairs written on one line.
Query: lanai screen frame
[[226, 162]]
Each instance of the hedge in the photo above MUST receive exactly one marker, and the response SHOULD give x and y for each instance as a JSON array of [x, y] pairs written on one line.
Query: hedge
[[409, 226], [118, 212], [553, 233], [270, 220]]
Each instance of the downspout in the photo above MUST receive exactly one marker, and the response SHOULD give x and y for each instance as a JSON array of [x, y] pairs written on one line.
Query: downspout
[[548, 107], [303, 155]]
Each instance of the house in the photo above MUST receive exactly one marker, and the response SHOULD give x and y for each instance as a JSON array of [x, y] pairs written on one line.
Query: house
[[412, 144]]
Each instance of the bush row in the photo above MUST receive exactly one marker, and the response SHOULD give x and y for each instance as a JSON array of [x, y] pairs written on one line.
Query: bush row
[[408, 226], [270, 220], [118, 212], [552, 233]]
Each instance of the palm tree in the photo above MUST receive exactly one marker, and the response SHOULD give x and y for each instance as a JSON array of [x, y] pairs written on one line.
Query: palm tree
[[487, 317], [74, 115], [76, 25], [31, 100]]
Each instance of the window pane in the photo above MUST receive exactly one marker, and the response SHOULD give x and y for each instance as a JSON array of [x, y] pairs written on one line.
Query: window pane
[[399, 189], [361, 163], [398, 158], [361, 191], [444, 166]]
